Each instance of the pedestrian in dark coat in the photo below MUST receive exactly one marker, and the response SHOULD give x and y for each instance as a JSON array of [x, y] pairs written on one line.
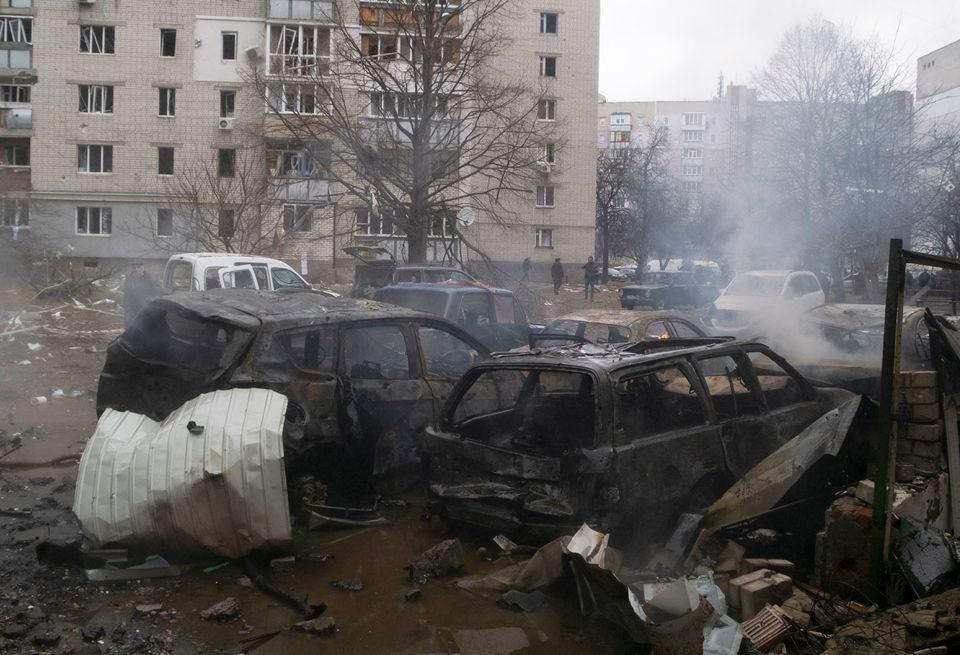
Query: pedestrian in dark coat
[[556, 272], [590, 274], [138, 289]]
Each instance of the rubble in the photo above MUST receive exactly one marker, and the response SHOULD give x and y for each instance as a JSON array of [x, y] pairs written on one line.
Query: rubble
[[347, 585], [440, 560], [324, 625], [224, 610], [521, 601]]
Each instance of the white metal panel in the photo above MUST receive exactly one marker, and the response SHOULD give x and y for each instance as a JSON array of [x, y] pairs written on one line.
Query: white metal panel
[[158, 488]]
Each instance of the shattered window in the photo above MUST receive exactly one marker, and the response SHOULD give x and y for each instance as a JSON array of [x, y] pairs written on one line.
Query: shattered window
[[376, 353], [445, 355], [474, 309], [184, 341], [312, 350], [506, 314], [684, 330], [212, 277], [491, 392], [180, 276], [658, 402], [657, 330], [778, 387], [729, 385]]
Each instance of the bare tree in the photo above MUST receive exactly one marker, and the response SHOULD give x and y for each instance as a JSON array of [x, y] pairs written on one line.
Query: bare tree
[[638, 205], [420, 123]]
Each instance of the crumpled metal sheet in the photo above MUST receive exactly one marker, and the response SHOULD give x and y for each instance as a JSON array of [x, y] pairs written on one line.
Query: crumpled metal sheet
[[770, 480], [158, 488]]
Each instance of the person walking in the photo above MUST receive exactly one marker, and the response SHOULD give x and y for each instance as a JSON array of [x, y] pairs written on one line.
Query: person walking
[[590, 273], [526, 266], [138, 289], [556, 272]]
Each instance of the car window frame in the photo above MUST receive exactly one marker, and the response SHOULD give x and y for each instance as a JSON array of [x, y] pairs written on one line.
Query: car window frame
[[698, 333], [417, 324], [620, 438], [410, 339], [809, 394], [752, 384]]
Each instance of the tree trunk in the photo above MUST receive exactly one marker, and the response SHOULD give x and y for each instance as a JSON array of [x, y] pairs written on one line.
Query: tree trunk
[[605, 238]]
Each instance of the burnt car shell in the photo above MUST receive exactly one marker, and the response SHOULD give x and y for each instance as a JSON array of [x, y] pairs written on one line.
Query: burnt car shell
[[668, 289], [626, 443], [322, 353]]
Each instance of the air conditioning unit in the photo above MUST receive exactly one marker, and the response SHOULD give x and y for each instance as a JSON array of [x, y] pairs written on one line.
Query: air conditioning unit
[[544, 166], [226, 123], [253, 53]]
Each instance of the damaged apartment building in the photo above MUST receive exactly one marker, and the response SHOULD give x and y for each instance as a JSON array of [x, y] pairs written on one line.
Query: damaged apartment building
[[113, 110]]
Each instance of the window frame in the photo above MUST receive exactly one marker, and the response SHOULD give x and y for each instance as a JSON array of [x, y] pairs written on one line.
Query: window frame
[[291, 55], [92, 93], [752, 385], [224, 94], [693, 377], [101, 40], [88, 149], [161, 150], [13, 93], [165, 32], [16, 149], [170, 106], [223, 45], [222, 213], [297, 222], [14, 213], [168, 217], [548, 66], [102, 212], [549, 198], [226, 164], [539, 241], [545, 17], [547, 110]]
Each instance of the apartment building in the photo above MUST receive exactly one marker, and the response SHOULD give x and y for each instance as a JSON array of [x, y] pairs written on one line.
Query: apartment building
[[111, 108], [938, 85]]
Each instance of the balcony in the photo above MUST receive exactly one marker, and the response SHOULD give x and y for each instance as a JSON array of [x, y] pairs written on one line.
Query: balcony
[[307, 10]]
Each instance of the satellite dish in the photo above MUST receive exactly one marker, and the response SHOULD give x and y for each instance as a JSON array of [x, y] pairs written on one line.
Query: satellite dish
[[466, 216]]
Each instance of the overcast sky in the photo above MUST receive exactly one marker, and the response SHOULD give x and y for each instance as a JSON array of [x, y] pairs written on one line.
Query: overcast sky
[[676, 49]]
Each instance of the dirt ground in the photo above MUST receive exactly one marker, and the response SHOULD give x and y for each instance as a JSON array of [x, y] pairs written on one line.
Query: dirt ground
[[55, 350]]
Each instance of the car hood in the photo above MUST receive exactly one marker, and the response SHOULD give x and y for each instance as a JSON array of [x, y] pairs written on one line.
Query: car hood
[[746, 303]]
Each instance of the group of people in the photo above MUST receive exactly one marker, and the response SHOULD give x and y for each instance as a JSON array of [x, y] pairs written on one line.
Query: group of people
[[591, 273]]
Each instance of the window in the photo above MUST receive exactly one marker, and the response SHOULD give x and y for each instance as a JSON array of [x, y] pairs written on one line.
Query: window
[[94, 159], [168, 102], [16, 30], [549, 153], [658, 402], [683, 330], [97, 39], [693, 170], [228, 104], [228, 46], [547, 110], [295, 160], [297, 49], [293, 99], [692, 153], [778, 387], [443, 226], [544, 196], [226, 223], [375, 353], [284, 278], [379, 46], [168, 42], [620, 118], [14, 212], [544, 238], [692, 187], [14, 93], [94, 221], [96, 99], [164, 222], [548, 66], [691, 136], [402, 105], [164, 161], [297, 218], [620, 137], [693, 119], [657, 330], [729, 384], [376, 224], [445, 355], [15, 154], [226, 162], [313, 350], [548, 22]]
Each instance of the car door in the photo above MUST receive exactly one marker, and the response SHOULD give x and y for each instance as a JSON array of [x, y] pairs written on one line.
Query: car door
[[474, 312], [681, 329], [238, 277], [394, 403], [669, 454], [746, 432], [791, 404], [445, 356]]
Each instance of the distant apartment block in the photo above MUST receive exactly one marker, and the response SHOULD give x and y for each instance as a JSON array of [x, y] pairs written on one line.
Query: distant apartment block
[[938, 85]]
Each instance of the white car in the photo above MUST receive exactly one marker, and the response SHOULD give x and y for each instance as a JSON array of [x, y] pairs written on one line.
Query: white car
[[756, 302], [200, 271]]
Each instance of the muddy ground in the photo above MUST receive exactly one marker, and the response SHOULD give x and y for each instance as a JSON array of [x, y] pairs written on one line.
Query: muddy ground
[[55, 609]]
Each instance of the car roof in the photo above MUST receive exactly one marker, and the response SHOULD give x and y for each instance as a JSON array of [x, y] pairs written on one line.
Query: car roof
[[226, 256], [601, 359], [249, 308], [620, 317], [773, 272], [450, 286], [853, 316]]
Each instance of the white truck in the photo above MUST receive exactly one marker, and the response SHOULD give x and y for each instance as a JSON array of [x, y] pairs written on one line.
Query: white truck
[[200, 271]]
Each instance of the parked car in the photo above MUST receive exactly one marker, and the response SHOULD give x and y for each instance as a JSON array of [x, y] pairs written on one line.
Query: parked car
[[364, 377], [668, 289], [759, 302], [603, 326], [494, 316], [538, 444], [201, 271], [376, 268]]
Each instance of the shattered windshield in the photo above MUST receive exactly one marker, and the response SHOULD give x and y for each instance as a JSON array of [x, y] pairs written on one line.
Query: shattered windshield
[[756, 285], [593, 332], [184, 340], [432, 302]]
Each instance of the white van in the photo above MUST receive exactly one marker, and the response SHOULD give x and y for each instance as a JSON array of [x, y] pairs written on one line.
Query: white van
[[199, 271], [757, 302]]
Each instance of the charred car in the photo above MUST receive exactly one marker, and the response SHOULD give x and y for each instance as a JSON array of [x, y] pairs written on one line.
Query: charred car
[[668, 289], [536, 444], [362, 378], [376, 268], [608, 326]]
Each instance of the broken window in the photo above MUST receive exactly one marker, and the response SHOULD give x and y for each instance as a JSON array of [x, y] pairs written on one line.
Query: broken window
[[545, 196], [15, 154], [778, 387], [543, 238], [293, 99], [16, 30], [549, 153], [375, 353], [164, 222], [168, 101], [684, 330], [165, 160], [729, 385], [548, 22], [379, 46], [97, 221], [97, 39], [297, 218], [168, 42], [548, 66], [312, 351], [14, 212], [658, 402], [475, 309], [94, 159], [299, 50], [228, 46], [14, 93], [228, 104], [445, 355], [226, 162], [657, 330], [95, 99], [547, 110]]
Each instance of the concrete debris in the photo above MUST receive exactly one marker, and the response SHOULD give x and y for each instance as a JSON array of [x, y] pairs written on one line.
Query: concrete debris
[[325, 625], [283, 563], [522, 602], [440, 560], [767, 629], [413, 595], [151, 608], [347, 585], [926, 560], [225, 610]]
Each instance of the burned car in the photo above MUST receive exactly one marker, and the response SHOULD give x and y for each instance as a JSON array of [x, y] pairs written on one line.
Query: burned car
[[536, 444], [668, 289], [376, 268], [602, 326], [362, 378]]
